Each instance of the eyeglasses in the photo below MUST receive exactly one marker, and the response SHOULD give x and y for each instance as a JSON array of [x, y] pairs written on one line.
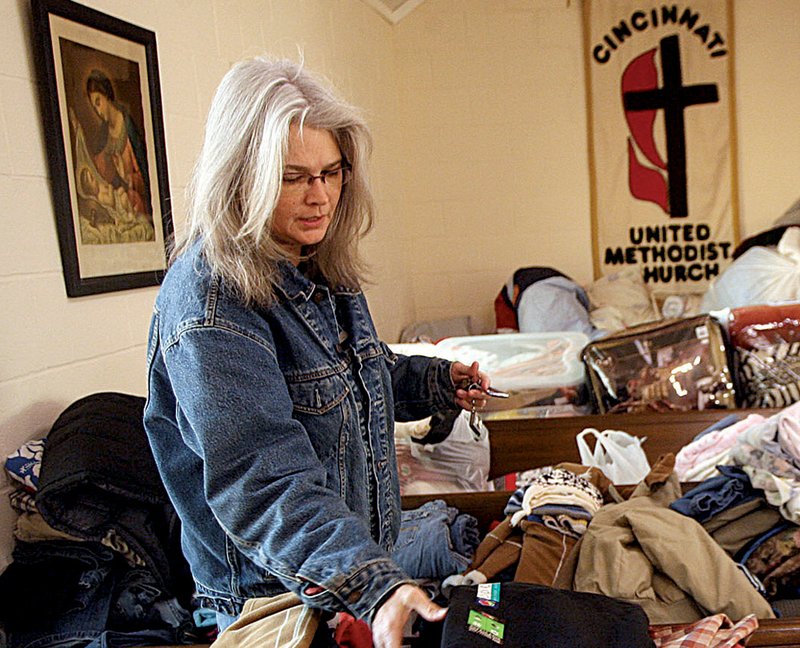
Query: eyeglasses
[[332, 179]]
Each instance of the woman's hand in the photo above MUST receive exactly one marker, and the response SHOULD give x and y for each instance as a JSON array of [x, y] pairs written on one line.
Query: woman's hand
[[391, 617], [463, 376]]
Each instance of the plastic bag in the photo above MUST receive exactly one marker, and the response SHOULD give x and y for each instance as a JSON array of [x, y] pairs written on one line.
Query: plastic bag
[[660, 366], [459, 463], [760, 275], [618, 454]]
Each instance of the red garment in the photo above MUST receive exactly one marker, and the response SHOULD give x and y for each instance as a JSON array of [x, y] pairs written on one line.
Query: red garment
[[352, 633], [505, 316], [711, 632]]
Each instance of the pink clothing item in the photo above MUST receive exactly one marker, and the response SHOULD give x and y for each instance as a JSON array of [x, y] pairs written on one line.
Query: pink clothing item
[[713, 443], [711, 632]]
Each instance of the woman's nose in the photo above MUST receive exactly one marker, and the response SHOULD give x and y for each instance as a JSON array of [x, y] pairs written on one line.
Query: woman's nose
[[317, 192]]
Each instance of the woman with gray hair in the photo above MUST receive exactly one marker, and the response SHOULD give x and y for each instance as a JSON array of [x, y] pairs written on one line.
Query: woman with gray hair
[[271, 400]]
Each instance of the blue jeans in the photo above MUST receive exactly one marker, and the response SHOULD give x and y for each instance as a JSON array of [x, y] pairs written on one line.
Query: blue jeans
[[59, 593], [74, 605], [716, 494], [224, 620], [426, 547]]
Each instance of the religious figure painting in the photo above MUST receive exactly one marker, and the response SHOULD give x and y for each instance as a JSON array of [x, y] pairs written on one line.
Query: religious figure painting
[[104, 133]]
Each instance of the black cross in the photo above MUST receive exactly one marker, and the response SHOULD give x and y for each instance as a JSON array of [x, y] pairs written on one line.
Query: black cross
[[673, 97]]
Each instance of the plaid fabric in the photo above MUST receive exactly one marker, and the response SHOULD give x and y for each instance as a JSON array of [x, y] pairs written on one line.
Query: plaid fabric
[[715, 631]]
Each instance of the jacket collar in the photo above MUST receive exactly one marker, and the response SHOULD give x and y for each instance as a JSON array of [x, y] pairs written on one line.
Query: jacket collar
[[293, 284]]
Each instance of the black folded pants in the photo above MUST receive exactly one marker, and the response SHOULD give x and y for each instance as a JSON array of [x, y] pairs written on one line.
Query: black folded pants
[[536, 615]]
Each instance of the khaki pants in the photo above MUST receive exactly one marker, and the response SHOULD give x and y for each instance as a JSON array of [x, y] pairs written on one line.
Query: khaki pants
[[280, 621]]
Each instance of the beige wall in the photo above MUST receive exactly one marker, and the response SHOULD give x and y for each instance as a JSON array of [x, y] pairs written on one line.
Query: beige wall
[[493, 105], [480, 163], [493, 110]]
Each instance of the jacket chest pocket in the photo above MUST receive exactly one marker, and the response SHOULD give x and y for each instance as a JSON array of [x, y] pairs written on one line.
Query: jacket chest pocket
[[318, 395]]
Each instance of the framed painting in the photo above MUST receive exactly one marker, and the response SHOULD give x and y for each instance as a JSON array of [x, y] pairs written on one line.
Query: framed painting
[[104, 133]]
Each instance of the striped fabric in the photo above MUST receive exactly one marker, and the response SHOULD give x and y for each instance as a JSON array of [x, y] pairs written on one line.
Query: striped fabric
[[770, 376], [280, 621]]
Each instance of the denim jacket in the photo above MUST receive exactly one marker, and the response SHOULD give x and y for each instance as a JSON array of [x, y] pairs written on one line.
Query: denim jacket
[[273, 431]]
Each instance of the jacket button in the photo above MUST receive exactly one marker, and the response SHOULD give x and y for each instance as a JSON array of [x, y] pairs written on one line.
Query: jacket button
[[354, 597], [318, 297]]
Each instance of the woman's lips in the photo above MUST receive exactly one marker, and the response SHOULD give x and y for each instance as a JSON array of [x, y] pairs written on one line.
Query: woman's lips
[[312, 221]]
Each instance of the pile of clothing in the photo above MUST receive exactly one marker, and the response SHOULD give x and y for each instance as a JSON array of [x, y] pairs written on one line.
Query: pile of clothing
[[766, 449], [545, 517], [97, 556], [707, 563]]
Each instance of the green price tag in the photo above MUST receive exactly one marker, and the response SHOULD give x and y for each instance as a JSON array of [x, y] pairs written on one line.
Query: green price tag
[[486, 625]]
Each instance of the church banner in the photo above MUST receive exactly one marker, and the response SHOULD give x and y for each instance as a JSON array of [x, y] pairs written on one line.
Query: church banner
[[662, 139]]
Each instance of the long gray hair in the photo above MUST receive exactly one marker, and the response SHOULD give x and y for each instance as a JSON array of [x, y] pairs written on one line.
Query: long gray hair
[[237, 179]]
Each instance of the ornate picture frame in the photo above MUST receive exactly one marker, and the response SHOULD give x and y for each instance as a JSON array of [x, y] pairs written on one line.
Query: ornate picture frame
[[104, 134]]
